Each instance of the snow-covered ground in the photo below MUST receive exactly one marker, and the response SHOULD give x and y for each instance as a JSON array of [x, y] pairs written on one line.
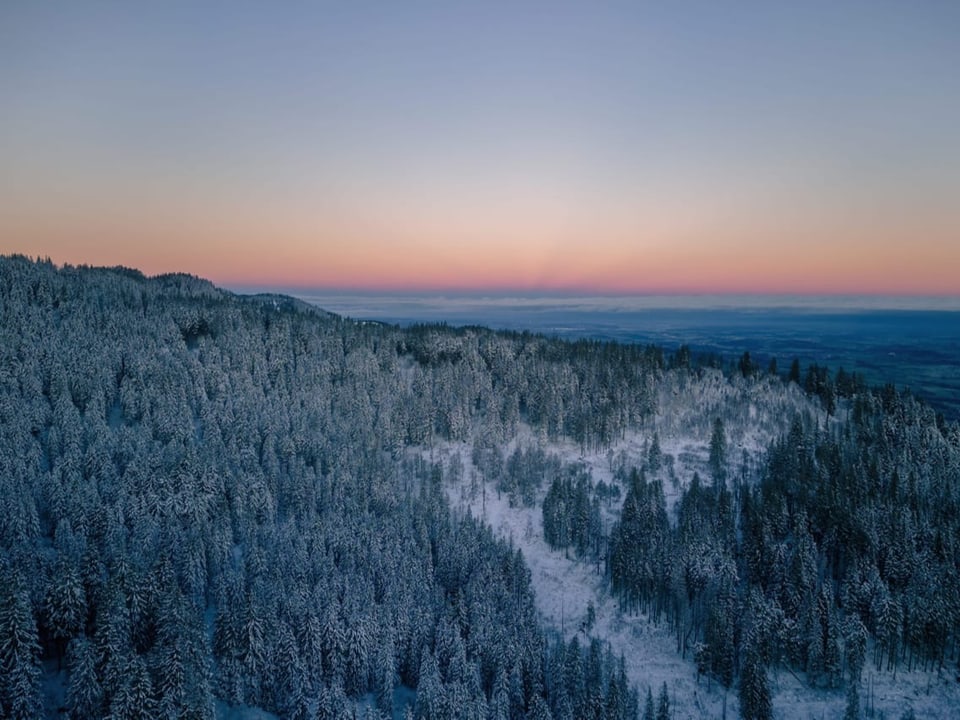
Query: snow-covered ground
[[565, 587], [754, 414]]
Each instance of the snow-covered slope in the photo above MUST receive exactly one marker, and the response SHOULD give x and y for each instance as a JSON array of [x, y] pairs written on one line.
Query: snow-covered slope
[[755, 414]]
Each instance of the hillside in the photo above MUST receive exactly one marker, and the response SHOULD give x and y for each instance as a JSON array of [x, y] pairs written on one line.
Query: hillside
[[218, 505]]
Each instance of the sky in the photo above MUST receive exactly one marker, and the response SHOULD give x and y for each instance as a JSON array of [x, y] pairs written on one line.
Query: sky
[[636, 147]]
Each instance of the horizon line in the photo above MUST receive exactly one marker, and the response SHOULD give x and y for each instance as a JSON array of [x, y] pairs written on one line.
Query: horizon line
[[248, 288], [418, 303], [298, 289]]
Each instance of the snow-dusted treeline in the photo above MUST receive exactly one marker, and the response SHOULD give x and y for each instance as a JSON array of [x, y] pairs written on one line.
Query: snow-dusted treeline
[[206, 503], [848, 542], [212, 502]]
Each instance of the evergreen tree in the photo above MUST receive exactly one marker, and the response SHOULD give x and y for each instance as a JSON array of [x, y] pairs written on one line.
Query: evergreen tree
[[332, 703], [794, 375], [429, 704], [718, 655], [65, 604], [539, 710], [648, 710], [852, 710], [655, 454], [499, 697], [663, 704], [19, 650], [84, 693], [755, 701], [718, 453]]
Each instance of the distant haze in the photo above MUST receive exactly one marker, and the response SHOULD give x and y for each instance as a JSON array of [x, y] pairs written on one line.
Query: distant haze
[[625, 147], [455, 307]]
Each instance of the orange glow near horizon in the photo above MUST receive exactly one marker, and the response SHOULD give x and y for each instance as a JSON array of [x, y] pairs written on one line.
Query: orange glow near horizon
[[608, 148], [501, 253], [525, 238]]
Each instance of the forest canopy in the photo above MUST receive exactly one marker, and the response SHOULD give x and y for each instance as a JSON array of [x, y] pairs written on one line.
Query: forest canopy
[[214, 500]]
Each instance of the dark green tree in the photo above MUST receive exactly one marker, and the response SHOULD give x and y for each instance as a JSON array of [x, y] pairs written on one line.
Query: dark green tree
[[663, 704], [794, 375], [19, 650], [718, 453], [649, 713], [755, 702], [852, 710]]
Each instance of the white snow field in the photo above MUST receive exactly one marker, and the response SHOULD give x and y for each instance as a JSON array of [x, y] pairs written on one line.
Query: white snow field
[[754, 414]]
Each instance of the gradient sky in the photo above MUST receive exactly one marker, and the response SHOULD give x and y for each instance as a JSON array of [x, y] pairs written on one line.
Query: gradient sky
[[635, 147]]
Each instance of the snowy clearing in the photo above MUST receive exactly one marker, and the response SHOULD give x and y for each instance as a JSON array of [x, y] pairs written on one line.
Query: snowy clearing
[[566, 586]]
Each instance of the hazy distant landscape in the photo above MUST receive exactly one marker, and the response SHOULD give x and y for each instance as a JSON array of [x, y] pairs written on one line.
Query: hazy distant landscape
[[910, 342]]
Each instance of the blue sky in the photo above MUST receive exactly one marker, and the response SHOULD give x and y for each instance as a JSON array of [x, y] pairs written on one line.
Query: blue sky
[[638, 147]]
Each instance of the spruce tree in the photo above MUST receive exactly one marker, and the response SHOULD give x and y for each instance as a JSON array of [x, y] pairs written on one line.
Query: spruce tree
[[663, 704], [755, 702], [794, 375], [852, 711], [19, 650], [718, 453], [648, 710]]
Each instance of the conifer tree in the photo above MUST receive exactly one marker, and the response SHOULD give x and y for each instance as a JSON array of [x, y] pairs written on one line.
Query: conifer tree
[[19, 650], [755, 702], [852, 709], [648, 709], [84, 693], [718, 453], [663, 704]]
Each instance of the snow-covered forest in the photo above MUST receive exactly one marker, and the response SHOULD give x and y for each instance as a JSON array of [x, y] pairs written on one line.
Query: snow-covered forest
[[242, 506]]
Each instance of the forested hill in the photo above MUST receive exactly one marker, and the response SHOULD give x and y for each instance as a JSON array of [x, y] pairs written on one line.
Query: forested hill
[[212, 502], [206, 498]]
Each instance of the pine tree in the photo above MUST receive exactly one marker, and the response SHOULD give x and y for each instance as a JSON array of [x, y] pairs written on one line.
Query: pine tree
[[429, 689], [113, 639], [141, 691], [539, 710], [718, 453], [84, 694], [134, 698], [663, 704], [648, 710], [794, 375], [171, 675], [19, 650], [332, 703], [654, 454], [500, 697], [385, 679], [852, 710], [65, 604], [755, 702]]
